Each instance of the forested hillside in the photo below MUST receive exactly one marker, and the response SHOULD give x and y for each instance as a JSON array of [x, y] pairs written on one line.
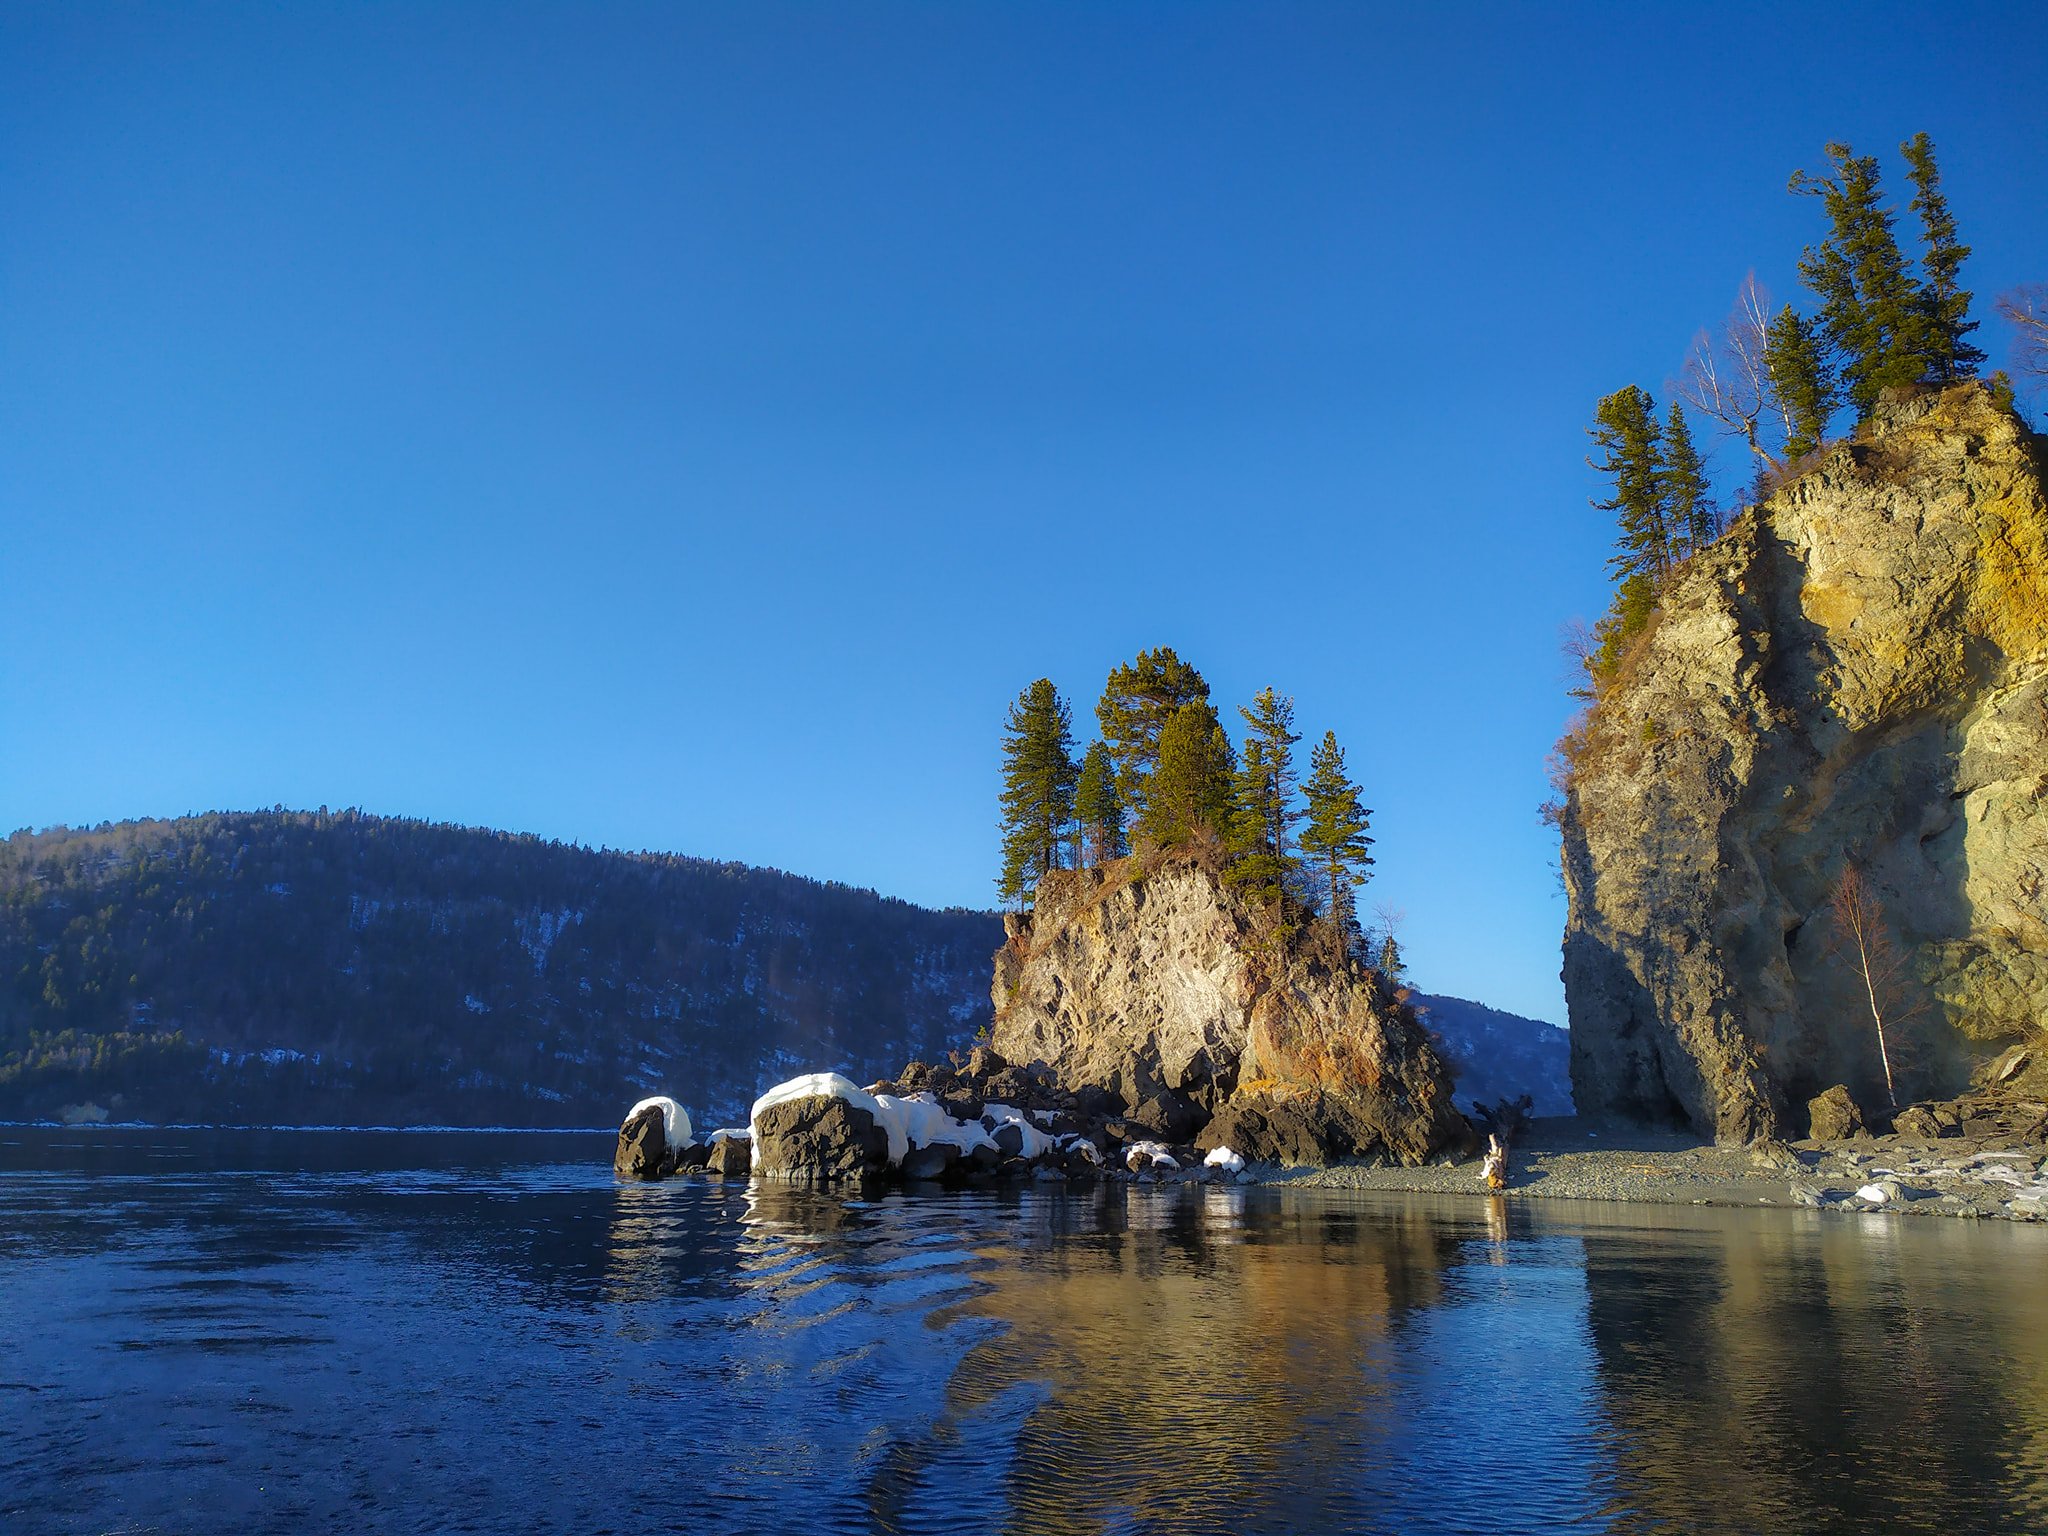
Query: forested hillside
[[1500, 1055], [300, 967]]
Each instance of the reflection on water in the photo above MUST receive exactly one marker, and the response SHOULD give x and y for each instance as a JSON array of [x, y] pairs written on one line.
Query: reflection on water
[[424, 1333], [1852, 1374]]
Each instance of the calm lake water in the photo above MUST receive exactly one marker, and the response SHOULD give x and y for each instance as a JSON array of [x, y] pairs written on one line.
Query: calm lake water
[[362, 1332]]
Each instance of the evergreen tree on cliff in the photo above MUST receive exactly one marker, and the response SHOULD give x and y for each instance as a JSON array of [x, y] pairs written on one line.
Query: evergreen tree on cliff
[[1137, 701], [1944, 304], [1262, 799], [1099, 808], [1630, 446], [1871, 312], [1190, 789], [1682, 482], [1038, 788], [1625, 435], [1802, 382], [1335, 839]]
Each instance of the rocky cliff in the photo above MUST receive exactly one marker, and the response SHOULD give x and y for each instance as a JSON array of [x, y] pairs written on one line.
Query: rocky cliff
[[1156, 984], [1857, 671]]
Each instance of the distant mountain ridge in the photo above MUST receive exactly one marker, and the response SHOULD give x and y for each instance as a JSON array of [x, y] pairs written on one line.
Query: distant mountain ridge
[[303, 968], [1499, 1055]]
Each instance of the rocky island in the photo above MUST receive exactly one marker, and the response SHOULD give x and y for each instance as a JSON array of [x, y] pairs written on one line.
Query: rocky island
[[1147, 1024]]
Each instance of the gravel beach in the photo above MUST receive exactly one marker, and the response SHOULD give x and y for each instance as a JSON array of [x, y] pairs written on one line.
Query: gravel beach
[[1563, 1159]]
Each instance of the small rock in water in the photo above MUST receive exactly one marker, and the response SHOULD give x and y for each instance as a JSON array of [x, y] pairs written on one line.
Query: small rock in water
[[932, 1162], [731, 1157]]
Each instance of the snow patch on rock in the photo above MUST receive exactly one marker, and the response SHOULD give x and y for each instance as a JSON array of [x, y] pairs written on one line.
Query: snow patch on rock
[[1036, 1142], [925, 1123], [1147, 1156], [675, 1120]]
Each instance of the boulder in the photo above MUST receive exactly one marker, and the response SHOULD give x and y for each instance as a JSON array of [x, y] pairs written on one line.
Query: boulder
[[1272, 1130], [1918, 1121], [1081, 1159], [818, 1139], [1833, 1116], [732, 1156], [932, 1162], [643, 1146], [692, 1157]]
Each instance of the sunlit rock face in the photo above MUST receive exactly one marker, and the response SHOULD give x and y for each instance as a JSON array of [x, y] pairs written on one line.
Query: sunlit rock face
[[1857, 671], [1153, 981]]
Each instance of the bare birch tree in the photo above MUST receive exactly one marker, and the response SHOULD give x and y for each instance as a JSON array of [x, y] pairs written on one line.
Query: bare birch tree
[[2025, 309], [1728, 380], [1866, 944]]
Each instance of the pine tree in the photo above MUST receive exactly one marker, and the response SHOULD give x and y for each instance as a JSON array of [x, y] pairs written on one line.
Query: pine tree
[[1689, 514], [1190, 789], [1263, 813], [1871, 310], [1137, 701], [1335, 838], [1802, 383], [1099, 808], [1625, 434], [1944, 304], [1038, 788], [1634, 601]]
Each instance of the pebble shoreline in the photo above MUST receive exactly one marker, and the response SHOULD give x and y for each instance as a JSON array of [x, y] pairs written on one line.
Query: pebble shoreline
[[1957, 1178]]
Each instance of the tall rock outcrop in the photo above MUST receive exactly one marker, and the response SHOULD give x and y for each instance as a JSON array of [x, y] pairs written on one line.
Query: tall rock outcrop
[[1857, 670], [1159, 986]]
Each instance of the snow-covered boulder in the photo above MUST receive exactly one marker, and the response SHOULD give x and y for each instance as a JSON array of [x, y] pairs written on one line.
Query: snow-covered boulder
[[1225, 1159], [1150, 1157], [675, 1120], [820, 1129], [823, 1127], [652, 1139], [1030, 1142]]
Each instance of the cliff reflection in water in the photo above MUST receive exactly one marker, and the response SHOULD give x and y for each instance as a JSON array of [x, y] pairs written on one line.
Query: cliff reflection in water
[[1820, 1374], [1189, 1360], [1196, 1361], [1180, 1359]]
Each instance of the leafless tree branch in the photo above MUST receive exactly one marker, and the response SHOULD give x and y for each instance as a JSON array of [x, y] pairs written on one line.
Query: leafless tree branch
[[1729, 381], [2025, 309]]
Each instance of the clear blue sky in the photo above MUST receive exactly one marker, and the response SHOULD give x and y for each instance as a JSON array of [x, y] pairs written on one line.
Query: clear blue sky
[[687, 427]]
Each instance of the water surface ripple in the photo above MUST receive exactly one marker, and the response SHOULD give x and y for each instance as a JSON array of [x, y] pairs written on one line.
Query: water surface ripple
[[366, 1333]]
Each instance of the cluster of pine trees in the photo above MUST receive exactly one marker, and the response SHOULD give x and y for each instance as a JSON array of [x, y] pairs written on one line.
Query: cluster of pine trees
[[1777, 379], [1164, 773]]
